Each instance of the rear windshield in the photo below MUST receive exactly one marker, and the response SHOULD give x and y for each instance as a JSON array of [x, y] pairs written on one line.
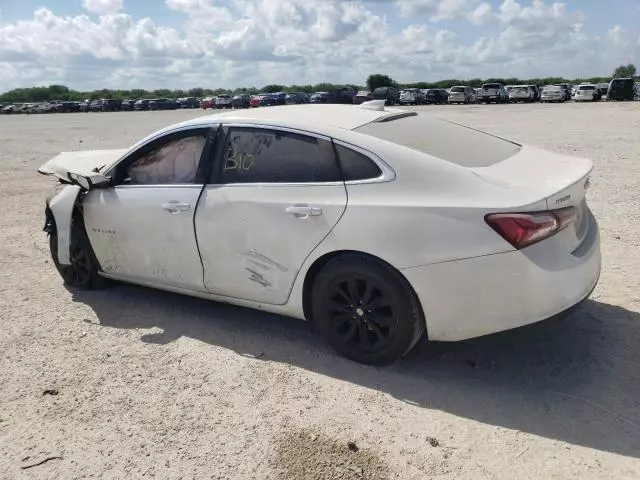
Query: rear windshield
[[487, 86], [587, 87], [457, 89], [447, 141]]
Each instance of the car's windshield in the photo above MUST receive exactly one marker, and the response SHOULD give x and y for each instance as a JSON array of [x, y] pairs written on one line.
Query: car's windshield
[[487, 86], [457, 89], [442, 139], [586, 87], [552, 88]]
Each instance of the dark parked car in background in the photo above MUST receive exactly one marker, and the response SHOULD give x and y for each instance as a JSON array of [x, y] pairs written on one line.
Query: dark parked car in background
[[341, 95], [604, 89], [241, 101], [296, 98], [621, 89], [362, 96], [141, 104], [390, 94], [111, 105], [67, 107], [320, 97], [268, 100], [189, 102], [273, 99], [95, 106], [163, 104], [127, 105], [436, 96]]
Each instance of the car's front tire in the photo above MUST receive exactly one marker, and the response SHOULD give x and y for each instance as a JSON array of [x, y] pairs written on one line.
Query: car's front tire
[[366, 310], [84, 268]]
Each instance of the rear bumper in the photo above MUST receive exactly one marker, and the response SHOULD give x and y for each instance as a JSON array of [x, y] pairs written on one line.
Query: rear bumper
[[483, 295]]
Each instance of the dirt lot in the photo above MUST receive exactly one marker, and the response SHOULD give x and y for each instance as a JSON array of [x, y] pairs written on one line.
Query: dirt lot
[[135, 383]]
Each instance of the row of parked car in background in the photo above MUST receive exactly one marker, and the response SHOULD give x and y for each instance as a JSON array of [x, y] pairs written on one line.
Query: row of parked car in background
[[617, 89], [103, 105]]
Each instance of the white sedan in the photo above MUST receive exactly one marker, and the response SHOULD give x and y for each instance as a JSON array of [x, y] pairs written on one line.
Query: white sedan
[[377, 224]]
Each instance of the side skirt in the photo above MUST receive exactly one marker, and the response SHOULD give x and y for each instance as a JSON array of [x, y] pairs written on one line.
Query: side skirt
[[286, 310]]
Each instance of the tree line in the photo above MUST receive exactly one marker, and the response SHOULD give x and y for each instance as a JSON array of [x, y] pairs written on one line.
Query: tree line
[[61, 92]]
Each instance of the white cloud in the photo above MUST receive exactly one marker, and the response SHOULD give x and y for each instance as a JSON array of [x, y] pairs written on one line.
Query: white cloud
[[437, 9], [103, 6], [255, 42], [482, 14]]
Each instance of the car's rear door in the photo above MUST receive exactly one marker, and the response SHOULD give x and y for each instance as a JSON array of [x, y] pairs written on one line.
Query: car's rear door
[[141, 228], [275, 194]]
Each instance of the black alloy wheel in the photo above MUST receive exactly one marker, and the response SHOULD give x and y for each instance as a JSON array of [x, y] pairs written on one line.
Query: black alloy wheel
[[82, 273], [366, 310], [360, 312]]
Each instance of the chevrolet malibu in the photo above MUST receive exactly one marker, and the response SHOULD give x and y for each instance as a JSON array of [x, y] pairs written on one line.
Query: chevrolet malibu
[[379, 225]]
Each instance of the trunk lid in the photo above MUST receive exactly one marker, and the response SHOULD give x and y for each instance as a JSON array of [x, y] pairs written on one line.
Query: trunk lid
[[545, 180], [81, 162]]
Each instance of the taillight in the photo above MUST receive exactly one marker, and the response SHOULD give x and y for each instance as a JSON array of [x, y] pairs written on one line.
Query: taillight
[[524, 229]]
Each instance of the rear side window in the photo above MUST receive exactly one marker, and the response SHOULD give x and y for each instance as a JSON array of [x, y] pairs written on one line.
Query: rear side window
[[255, 155], [355, 165]]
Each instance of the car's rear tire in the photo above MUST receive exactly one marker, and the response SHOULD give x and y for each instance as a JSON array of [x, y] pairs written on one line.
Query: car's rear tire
[[366, 310], [83, 271]]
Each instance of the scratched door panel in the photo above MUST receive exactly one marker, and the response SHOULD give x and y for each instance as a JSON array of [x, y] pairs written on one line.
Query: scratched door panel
[[251, 247]]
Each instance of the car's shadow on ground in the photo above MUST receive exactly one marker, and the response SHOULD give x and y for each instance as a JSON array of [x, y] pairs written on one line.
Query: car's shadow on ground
[[576, 380]]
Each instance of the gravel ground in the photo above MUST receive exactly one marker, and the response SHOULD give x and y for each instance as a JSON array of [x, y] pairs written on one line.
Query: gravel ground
[[135, 383]]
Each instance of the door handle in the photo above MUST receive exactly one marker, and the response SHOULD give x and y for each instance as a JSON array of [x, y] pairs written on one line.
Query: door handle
[[175, 207], [304, 211]]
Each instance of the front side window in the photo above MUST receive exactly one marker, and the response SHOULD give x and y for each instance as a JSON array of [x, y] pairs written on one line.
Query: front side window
[[175, 162], [275, 156]]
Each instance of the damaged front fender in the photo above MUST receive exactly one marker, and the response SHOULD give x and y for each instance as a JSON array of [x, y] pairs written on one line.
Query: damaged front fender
[[61, 206]]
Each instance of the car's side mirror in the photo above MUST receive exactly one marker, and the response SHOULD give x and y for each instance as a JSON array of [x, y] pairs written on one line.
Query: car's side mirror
[[89, 182]]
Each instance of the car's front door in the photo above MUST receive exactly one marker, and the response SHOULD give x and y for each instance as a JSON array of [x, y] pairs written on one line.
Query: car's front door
[[141, 228], [274, 196]]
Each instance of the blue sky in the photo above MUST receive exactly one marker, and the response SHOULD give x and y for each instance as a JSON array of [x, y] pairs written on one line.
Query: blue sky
[[184, 43]]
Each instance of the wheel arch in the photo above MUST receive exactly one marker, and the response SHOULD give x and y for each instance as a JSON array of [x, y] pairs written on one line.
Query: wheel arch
[[320, 262], [60, 210]]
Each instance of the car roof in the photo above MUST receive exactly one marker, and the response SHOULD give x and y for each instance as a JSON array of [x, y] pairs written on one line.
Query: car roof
[[326, 119], [313, 116]]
